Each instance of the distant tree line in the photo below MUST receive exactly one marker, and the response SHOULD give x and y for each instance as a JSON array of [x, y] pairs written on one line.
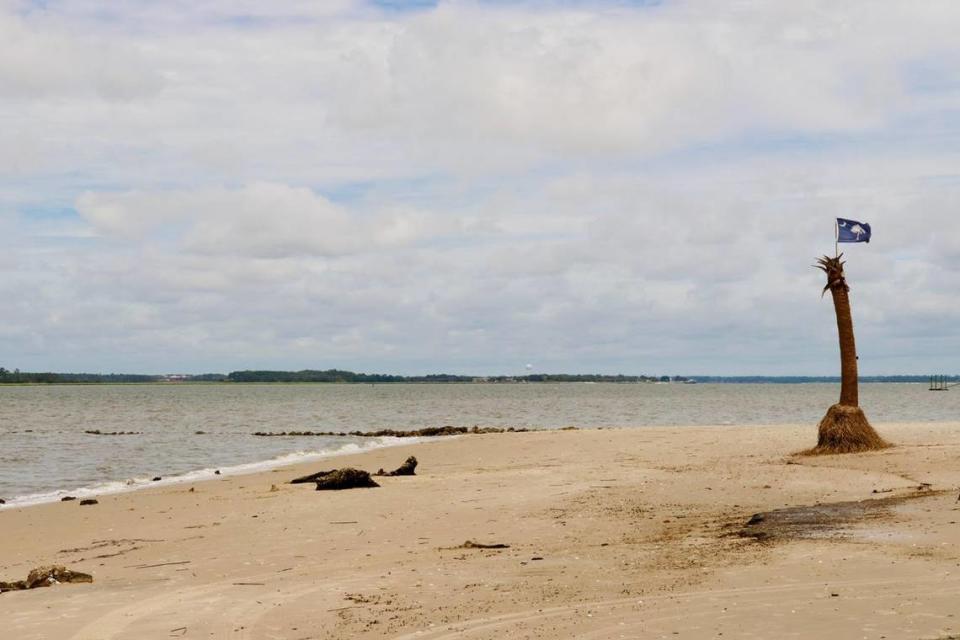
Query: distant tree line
[[568, 377], [349, 377], [340, 376], [208, 377], [808, 379], [24, 377], [336, 376], [310, 375]]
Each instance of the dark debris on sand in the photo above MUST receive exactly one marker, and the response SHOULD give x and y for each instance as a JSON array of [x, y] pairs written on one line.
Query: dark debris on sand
[[825, 520], [347, 478], [352, 478], [45, 577], [470, 544], [313, 477], [97, 432], [408, 468], [429, 432]]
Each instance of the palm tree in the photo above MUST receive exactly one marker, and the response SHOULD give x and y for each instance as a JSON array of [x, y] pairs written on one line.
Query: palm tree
[[845, 428]]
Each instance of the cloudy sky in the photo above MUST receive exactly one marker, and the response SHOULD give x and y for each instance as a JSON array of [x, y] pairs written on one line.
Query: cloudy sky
[[416, 186]]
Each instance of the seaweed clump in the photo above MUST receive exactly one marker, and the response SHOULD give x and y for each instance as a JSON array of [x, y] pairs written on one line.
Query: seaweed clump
[[45, 577]]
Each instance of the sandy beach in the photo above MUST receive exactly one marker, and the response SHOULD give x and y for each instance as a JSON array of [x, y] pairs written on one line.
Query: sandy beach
[[630, 533]]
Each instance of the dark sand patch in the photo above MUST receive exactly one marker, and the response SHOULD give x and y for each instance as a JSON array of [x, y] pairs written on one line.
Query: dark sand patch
[[829, 520]]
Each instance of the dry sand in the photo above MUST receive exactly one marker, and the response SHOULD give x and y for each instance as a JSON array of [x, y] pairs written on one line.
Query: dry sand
[[613, 534]]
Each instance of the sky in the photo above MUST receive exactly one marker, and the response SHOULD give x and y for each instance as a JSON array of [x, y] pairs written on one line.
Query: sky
[[419, 186]]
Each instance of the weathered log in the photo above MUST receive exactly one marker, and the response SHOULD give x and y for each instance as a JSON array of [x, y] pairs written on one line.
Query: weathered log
[[345, 479], [408, 468], [313, 477], [470, 544]]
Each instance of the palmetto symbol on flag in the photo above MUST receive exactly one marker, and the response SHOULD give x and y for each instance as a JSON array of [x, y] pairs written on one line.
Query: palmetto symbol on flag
[[856, 229]]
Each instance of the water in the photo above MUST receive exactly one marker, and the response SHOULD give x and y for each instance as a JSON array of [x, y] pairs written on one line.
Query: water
[[45, 452]]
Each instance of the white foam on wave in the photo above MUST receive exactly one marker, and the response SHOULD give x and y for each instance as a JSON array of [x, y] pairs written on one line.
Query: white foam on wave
[[134, 484]]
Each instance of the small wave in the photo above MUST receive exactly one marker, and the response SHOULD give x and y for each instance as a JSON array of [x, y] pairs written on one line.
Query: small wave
[[134, 484]]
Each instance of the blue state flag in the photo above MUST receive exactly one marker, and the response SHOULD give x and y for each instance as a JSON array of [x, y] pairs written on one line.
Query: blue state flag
[[852, 231]]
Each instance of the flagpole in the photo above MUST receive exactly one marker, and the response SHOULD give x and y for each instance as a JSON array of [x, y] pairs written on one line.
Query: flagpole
[[836, 238]]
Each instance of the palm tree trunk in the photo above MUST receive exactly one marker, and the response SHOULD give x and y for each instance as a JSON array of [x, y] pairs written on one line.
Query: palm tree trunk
[[849, 379]]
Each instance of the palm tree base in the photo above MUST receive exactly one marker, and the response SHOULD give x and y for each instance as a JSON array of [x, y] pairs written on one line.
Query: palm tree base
[[845, 429]]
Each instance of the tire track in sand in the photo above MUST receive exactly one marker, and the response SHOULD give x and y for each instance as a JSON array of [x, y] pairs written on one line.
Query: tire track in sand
[[205, 605], [695, 604]]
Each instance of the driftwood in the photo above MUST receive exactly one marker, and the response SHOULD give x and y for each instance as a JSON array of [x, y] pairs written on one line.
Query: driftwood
[[408, 468], [313, 477], [162, 564], [97, 432], [330, 479], [345, 479], [470, 544]]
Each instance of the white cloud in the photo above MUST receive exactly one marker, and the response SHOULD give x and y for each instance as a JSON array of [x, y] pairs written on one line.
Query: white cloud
[[579, 81], [259, 220], [303, 184], [50, 64], [352, 94]]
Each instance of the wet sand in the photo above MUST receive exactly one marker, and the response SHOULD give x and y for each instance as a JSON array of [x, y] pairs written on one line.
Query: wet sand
[[633, 533]]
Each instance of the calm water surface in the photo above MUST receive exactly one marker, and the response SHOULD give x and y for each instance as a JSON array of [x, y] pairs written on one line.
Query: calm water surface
[[44, 450]]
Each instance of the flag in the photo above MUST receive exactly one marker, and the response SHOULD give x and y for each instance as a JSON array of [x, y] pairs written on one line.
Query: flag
[[852, 231]]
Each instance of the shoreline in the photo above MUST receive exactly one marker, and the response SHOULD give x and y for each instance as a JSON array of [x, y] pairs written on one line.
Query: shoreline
[[130, 485], [293, 459], [606, 533], [363, 442], [694, 380]]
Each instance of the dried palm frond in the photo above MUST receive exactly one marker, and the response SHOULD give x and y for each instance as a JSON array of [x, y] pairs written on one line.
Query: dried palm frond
[[845, 429], [833, 267]]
